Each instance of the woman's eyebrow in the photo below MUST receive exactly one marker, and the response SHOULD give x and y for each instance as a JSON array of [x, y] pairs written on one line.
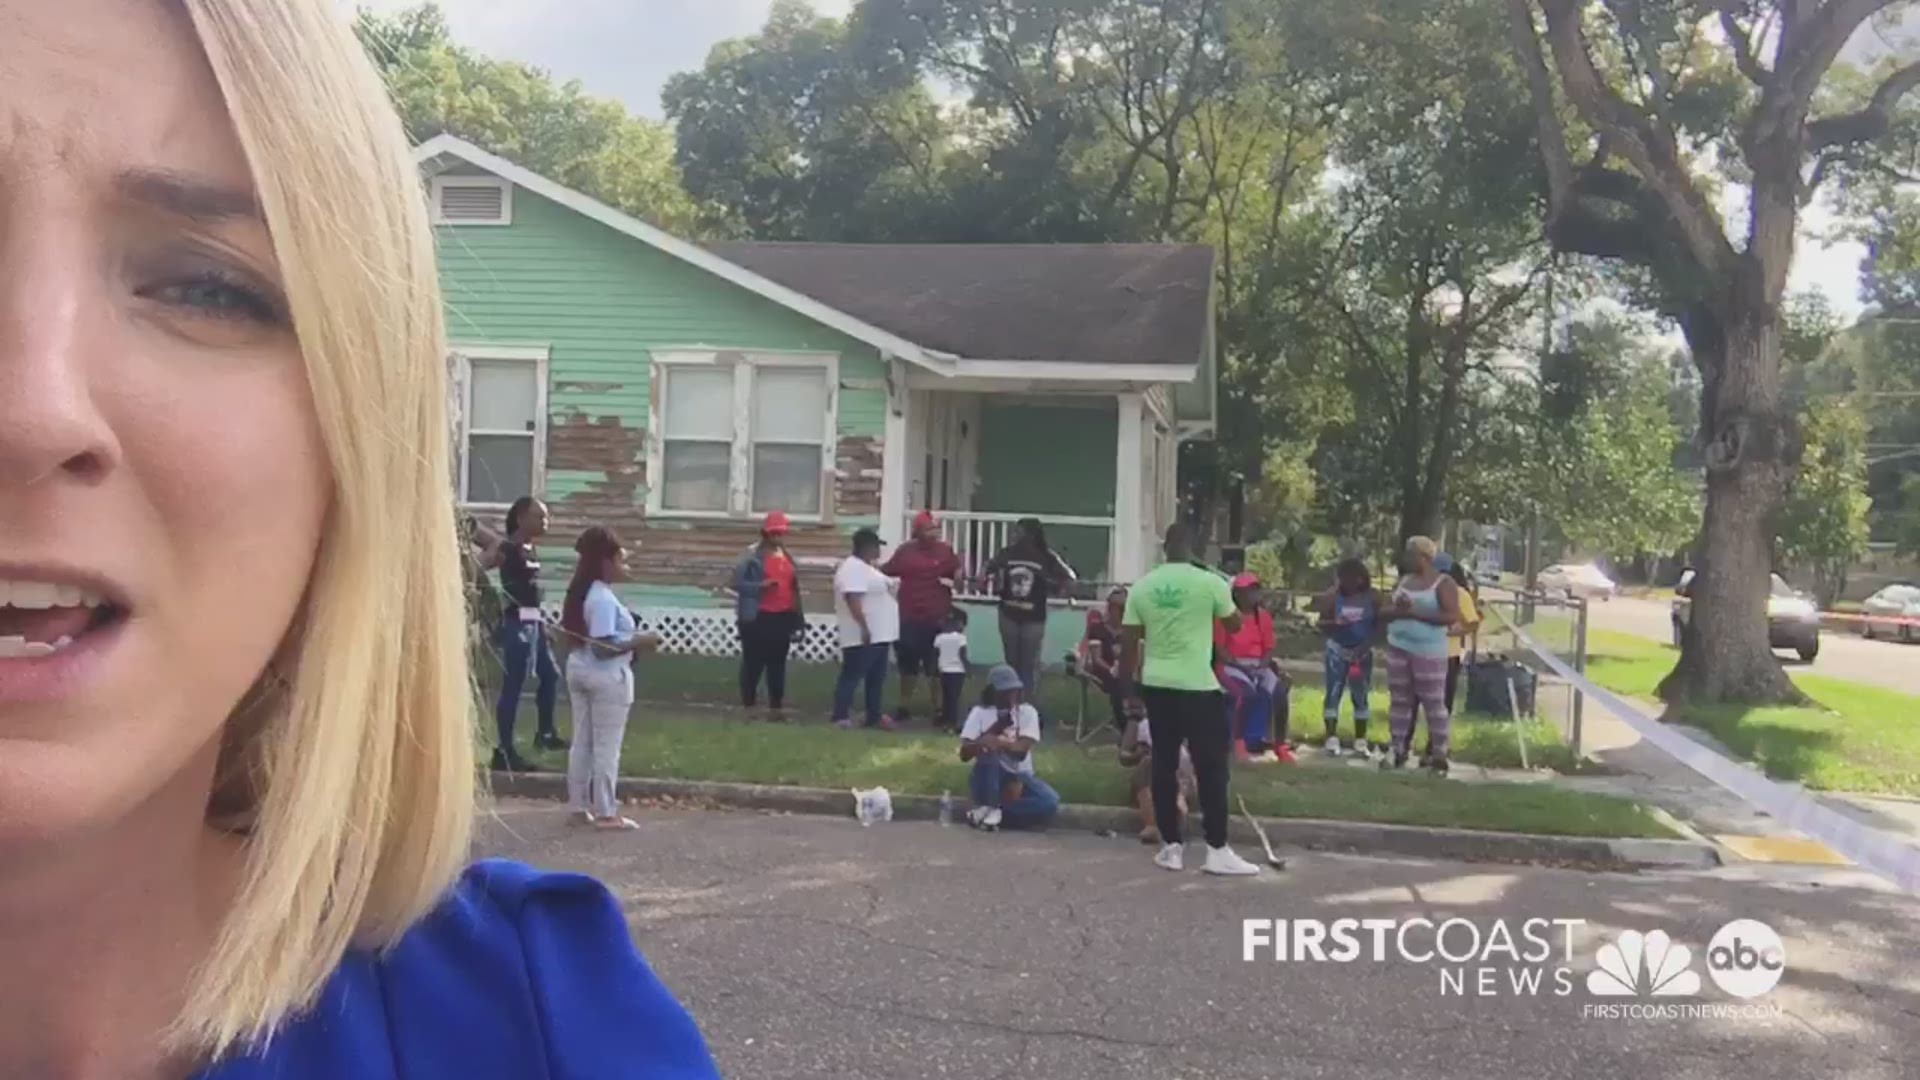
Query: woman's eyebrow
[[187, 195]]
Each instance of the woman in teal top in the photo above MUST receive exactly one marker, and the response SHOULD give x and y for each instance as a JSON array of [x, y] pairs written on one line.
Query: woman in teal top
[[1425, 603]]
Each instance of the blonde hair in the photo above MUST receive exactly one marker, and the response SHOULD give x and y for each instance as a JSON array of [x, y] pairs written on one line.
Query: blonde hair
[[361, 779], [1422, 546]]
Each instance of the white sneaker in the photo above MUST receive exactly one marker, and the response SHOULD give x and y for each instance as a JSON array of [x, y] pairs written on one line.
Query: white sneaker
[[1224, 862], [991, 819], [1172, 857], [1363, 750], [1333, 746], [977, 815]]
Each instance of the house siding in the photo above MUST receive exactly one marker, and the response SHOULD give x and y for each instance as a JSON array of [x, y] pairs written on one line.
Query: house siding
[[603, 302]]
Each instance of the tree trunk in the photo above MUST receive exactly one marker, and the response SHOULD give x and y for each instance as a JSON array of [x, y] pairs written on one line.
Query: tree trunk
[[1750, 452]]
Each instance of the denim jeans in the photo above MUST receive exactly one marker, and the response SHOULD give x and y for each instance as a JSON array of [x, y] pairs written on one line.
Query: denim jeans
[[1340, 677], [521, 644], [861, 663], [1256, 702], [1036, 805]]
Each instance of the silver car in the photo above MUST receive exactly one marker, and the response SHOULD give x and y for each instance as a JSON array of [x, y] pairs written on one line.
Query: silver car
[[1893, 613], [1793, 619]]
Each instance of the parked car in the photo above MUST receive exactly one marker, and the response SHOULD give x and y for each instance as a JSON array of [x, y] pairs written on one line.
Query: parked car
[[1793, 619], [1900, 602], [1583, 580]]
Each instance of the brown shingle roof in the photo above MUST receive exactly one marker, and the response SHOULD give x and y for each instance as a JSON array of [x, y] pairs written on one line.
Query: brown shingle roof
[[1084, 303]]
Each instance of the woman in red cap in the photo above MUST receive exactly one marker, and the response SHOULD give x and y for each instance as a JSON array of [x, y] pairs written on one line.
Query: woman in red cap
[[766, 586], [1250, 674], [926, 567]]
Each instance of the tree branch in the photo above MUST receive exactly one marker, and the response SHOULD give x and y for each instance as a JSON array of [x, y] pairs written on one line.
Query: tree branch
[[1551, 132], [1871, 122], [1652, 153], [1742, 42], [1809, 44]]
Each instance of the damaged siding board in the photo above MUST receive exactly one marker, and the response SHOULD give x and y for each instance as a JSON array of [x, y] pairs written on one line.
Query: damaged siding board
[[604, 303]]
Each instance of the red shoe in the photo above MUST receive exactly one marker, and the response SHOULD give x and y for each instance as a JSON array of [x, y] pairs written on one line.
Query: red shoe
[[1286, 755], [1240, 755], [887, 724]]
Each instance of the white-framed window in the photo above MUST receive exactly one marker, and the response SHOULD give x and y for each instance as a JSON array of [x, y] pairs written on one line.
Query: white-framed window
[[737, 434], [471, 200], [501, 427]]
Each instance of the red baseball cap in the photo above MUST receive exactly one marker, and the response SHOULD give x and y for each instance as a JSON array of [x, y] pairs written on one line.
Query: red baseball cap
[[1247, 581], [925, 520], [777, 523]]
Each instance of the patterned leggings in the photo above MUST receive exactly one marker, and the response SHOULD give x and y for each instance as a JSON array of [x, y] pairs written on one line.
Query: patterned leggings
[[1412, 678]]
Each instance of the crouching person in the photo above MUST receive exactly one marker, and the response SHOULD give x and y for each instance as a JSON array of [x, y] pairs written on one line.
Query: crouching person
[[998, 738], [1136, 752]]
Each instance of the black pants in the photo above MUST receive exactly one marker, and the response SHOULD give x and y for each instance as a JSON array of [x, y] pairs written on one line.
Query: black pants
[[1197, 718], [1453, 685], [764, 645], [951, 684]]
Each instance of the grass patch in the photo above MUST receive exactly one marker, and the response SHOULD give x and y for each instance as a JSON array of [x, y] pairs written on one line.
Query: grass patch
[[1861, 738], [1477, 739], [714, 745]]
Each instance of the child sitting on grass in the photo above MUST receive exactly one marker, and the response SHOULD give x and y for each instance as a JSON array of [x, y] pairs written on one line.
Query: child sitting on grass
[[1136, 752], [950, 648], [998, 739]]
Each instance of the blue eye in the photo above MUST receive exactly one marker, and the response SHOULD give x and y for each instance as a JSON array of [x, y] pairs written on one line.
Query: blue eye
[[216, 296]]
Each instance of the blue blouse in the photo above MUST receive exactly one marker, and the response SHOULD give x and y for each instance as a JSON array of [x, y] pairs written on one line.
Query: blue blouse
[[519, 974]]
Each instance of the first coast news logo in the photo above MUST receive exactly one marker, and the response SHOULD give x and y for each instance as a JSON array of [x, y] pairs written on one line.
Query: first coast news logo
[[1633, 976]]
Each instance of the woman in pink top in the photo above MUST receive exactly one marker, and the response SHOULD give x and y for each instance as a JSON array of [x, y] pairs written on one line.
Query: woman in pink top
[[1250, 675]]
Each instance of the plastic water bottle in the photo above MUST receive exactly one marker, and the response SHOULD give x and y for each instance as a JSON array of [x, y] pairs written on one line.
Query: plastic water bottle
[[946, 808]]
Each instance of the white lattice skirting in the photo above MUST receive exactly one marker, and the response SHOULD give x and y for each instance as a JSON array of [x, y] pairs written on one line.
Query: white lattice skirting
[[713, 632]]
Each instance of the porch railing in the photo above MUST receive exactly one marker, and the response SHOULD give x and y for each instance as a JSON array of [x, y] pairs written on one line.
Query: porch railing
[[977, 537]]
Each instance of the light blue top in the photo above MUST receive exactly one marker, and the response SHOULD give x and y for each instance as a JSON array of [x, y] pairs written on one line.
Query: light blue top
[[1412, 635], [607, 620]]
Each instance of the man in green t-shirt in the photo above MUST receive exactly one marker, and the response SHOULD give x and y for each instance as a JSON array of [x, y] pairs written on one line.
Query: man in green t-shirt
[[1170, 615]]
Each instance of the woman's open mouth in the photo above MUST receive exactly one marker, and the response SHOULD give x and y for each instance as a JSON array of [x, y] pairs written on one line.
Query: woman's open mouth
[[48, 632]]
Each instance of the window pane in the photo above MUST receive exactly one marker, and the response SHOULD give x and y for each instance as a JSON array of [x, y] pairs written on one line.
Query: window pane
[[789, 405], [505, 395], [699, 403], [696, 476], [499, 468], [786, 478]]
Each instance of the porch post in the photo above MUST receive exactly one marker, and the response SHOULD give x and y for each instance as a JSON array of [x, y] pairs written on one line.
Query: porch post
[[894, 454], [1126, 560]]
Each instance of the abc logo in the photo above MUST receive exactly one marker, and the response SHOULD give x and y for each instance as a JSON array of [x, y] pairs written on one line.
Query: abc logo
[[1746, 958]]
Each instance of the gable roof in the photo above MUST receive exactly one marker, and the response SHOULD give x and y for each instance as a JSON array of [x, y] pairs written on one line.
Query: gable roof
[[1105, 304], [888, 343], [1081, 310]]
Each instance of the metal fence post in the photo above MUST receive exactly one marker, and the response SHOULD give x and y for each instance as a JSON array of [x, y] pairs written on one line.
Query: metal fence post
[[1579, 665]]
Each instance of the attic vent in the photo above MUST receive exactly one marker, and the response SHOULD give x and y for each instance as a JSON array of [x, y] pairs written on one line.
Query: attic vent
[[463, 200]]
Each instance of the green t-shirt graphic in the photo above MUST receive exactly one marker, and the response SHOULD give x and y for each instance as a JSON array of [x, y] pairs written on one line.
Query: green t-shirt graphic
[[1175, 607]]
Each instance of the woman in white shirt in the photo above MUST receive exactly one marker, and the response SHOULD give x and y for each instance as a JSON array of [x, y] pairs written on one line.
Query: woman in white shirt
[[868, 611], [599, 677], [998, 739]]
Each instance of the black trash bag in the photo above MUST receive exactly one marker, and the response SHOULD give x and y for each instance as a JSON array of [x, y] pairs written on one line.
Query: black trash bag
[[1487, 687]]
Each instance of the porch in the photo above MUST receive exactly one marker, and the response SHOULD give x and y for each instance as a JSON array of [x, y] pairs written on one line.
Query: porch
[[1096, 468]]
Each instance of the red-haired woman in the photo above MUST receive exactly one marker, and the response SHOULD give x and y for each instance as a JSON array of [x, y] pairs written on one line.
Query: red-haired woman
[[599, 676]]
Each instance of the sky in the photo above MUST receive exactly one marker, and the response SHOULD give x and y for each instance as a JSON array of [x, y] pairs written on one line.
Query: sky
[[627, 49]]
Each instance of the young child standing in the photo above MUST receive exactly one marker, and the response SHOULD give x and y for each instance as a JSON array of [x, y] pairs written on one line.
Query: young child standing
[[951, 649], [1350, 620]]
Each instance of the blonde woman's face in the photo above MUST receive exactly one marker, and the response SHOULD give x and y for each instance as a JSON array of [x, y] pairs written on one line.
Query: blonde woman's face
[[162, 484]]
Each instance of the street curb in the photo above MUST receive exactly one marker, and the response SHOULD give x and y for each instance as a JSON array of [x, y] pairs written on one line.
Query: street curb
[[1464, 845]]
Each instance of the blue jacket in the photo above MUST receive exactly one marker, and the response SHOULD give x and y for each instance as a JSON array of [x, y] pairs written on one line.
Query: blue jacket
[[750, 580], [517, 974]]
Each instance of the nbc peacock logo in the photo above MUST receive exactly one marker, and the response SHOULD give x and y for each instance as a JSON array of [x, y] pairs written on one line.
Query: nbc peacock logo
[[1644, 965]]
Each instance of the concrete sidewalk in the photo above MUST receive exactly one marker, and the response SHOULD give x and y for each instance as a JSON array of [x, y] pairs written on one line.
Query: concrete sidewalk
[[811, 949]]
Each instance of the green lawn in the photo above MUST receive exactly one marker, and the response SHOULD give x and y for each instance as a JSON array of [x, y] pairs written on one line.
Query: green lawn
[[698, 744], [1861, 738], [687, 727]]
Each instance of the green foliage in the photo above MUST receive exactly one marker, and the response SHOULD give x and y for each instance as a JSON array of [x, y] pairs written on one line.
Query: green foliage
[[1823, 525], [519, 112]]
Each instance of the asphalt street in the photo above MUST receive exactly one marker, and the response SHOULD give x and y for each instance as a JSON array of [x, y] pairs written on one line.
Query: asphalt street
[[810, 947], [1893, 665]]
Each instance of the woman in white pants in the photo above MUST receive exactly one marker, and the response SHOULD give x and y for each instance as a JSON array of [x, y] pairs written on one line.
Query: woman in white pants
[[599, 677]]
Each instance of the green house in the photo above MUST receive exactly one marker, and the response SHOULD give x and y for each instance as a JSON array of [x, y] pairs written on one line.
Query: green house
[[678, 392]]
